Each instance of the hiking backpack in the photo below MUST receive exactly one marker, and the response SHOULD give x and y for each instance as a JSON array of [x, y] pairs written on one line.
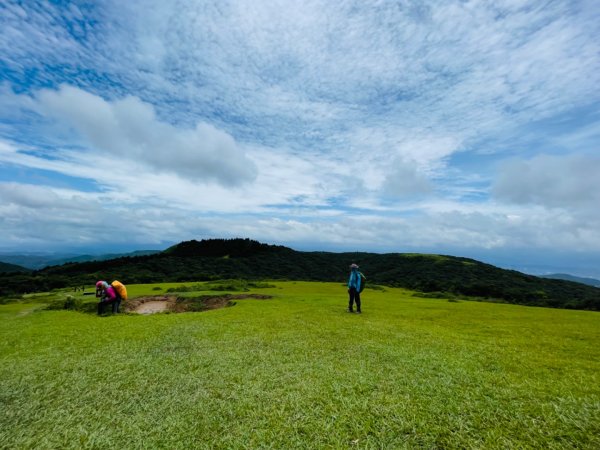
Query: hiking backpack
[[119, 289], [363, 281]]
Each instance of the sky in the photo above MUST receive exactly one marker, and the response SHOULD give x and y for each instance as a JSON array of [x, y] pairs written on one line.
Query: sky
[[465, 127]]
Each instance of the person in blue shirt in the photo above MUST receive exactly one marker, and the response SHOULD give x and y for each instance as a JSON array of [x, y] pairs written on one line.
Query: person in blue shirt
[[354, 288]]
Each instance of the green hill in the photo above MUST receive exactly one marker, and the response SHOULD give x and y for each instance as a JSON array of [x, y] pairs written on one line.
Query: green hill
[[244, 258], [12, 268]]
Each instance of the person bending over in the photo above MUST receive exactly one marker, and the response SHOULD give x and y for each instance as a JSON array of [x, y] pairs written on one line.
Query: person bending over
[[107, 294]]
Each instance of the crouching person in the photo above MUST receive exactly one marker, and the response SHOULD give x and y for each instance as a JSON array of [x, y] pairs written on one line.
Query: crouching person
[[107, 294]]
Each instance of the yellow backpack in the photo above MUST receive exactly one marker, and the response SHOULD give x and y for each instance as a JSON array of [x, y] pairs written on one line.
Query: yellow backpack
[[119, 289]]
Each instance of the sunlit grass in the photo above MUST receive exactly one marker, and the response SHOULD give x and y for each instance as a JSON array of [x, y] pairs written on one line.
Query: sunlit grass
[[296, 371]]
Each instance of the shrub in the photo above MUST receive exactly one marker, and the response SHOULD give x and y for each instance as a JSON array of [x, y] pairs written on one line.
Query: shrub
[[434, 294], [9, 299], [237, 285], [184, 288], [375, 287], [72, 303], [56, 304]]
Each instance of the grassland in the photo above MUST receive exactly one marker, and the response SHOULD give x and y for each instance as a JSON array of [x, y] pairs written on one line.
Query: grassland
[[297, 371]]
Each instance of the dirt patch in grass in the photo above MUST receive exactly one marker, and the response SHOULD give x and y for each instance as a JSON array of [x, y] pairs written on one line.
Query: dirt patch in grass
[[149, 305], [152, 307], [169, 303]]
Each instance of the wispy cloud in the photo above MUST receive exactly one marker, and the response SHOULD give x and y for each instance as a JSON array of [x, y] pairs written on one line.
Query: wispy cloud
[[308, 119]]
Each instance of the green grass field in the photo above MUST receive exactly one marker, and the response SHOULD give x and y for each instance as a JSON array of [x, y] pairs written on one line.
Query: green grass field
[[297, 371]]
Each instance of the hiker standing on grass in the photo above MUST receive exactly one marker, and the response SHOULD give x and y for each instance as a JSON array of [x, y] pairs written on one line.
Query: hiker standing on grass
[[354, 288], [107, 294]]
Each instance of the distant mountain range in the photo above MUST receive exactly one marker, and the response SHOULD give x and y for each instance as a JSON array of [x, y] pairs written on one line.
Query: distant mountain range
[[39, 261], [564, 276], [433, 275]]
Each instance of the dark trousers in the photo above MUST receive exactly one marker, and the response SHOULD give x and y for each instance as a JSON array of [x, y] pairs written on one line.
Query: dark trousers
[[115, 306], [354, 297]]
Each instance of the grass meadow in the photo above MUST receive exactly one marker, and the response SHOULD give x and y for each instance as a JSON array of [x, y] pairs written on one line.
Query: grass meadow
[[297, 371]]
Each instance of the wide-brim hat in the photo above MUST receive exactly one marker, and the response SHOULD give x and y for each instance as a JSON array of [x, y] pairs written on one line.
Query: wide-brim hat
[[353, 266]]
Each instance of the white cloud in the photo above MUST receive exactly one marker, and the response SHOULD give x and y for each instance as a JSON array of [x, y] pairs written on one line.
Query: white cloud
[[566, 181], [405, 181], [458, 228], [32, 215], [283, 180], [129, 129]]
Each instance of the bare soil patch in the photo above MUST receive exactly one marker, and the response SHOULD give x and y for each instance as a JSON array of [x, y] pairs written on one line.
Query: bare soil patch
[[169, 303], [149, 305], [152, 307]]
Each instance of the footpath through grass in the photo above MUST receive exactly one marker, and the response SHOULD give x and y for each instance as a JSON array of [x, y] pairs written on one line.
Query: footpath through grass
[[296, 371]]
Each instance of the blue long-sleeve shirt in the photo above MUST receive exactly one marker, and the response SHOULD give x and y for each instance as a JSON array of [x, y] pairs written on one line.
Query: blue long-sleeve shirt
[[354, 281]]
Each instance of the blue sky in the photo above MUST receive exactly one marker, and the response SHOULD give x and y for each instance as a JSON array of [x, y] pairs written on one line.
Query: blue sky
[[462, 127]]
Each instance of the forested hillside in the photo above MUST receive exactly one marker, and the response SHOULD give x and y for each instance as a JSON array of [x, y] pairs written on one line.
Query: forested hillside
[[244, 258], [11, 268]]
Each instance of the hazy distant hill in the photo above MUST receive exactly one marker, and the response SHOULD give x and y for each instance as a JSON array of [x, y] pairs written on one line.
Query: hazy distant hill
[[564, 276], [12, 268], [39, 261], [85, 258], [244, 258]]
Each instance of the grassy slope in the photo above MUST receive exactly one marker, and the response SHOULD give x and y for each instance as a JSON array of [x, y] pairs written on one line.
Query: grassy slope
[[297, 371]]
